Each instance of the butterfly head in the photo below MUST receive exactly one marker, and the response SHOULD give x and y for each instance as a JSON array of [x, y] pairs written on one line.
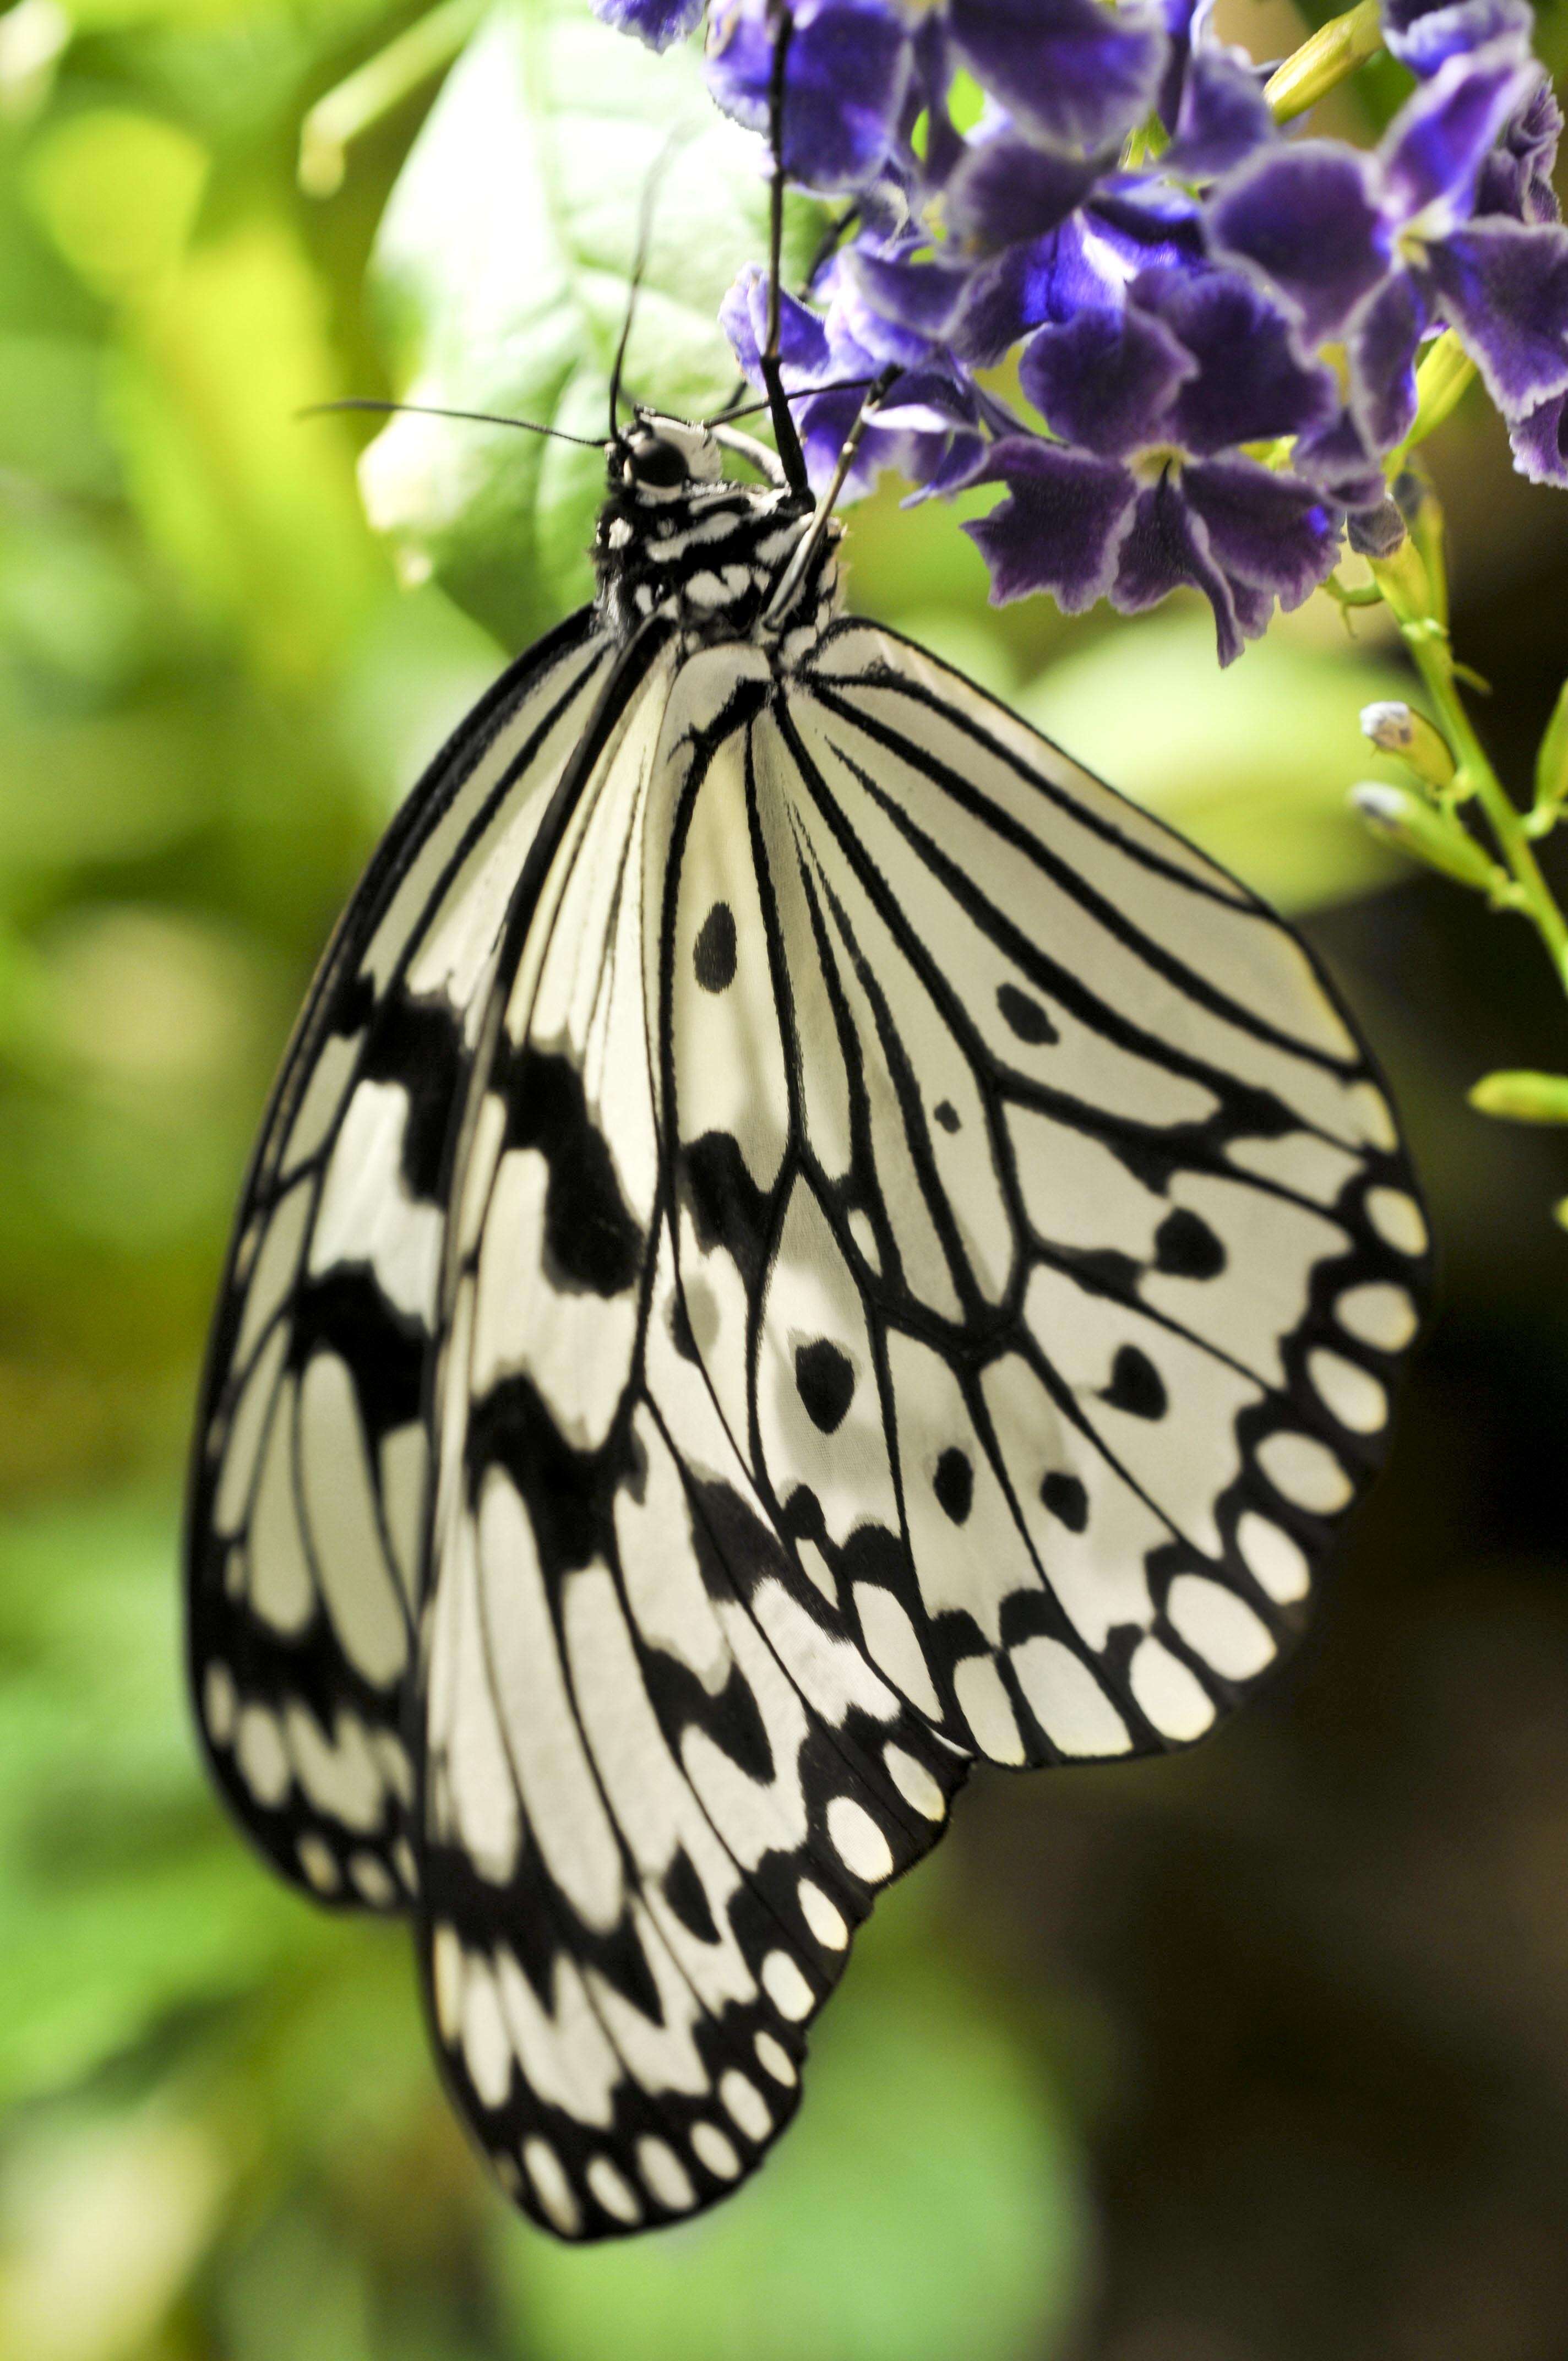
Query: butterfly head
[[660, 461], [678, 536]]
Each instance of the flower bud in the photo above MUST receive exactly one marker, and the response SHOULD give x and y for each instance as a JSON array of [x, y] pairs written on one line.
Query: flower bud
[[1523, 1097], [1552, 763], [1426, 832], [1395, 730], [1406, 583]]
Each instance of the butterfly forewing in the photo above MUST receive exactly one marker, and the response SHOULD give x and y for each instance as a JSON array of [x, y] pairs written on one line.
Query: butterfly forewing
[[309, 1490], [1131, 1245]]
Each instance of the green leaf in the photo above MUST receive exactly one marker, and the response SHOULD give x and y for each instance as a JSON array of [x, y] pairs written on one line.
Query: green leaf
[[503, 265], [925, 2204]]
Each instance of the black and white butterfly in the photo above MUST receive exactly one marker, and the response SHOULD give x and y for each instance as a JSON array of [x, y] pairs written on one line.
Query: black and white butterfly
[[801, 1241]]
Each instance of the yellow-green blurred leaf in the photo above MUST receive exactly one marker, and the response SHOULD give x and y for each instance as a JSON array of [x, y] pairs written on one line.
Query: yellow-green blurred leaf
[[118, 192], [1254, 763], [255, 506], [925, 2205]]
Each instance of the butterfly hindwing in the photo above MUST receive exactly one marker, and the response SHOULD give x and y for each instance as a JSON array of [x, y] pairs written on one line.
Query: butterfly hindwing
[[661, 1789], [310, 1470]]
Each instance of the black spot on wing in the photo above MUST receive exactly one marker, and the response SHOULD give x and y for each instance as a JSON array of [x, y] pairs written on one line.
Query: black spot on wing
[[592, 1241], [825, 1377], [419, 1047], [713, 956], [1064, 1497], [1026, 1017], [1186, 1248], [954, 1484], [685, 1893], [1136, 1385], [947, 1114]]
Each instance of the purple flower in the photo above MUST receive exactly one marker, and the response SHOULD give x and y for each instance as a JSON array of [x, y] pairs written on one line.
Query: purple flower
[[847, 75], [1210, 97], [1424, 34], [927, 431], [657, 22], [1515, 177], [1147, 487], [1067, 72], [1380, 249], [1540, 442]]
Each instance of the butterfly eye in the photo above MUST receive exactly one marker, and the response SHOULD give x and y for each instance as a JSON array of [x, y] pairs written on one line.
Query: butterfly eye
[[660, 466]]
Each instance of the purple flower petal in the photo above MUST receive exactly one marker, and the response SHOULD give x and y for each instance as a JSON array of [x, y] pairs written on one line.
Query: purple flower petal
[[1185, 22], [1222, 117], [845, 76], [803, 339], [1515, 177], [1050, 279], [1424, 38], [1167, 550], [1060, 527], [1377, 531], [1383, 340], [657, 22], [1504, 286], [1306, 219], [1067, 71], [1249, 384], [1008, 189], [1539, 440], [1106, 380], [1435, 146], [1336, 458], [1136, 219], [945, 145], [1264, 528], [895, 309]]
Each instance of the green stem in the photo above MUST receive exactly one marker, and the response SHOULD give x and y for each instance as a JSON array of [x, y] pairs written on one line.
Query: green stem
[[1404, 582], [381, 83], [1321, 64]]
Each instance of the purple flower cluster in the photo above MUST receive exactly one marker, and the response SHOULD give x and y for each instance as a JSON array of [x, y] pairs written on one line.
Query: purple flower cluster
[[1183, 343]]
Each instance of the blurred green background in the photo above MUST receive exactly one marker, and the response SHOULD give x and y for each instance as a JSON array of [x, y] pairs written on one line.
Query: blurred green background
[[1256, 2055]]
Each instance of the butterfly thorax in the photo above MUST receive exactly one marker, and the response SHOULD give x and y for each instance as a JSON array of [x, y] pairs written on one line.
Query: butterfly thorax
[[677, 537]]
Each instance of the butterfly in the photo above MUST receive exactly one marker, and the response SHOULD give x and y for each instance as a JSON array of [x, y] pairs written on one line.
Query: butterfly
[[801, 1244]]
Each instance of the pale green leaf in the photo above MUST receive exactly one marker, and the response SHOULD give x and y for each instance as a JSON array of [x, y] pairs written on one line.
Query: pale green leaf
[[503, 262], [1254, 763]]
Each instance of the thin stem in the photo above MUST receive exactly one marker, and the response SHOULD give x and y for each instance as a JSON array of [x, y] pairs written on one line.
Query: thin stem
[[1405, 584], [1435, 663], [374, 88], [1321, 64]]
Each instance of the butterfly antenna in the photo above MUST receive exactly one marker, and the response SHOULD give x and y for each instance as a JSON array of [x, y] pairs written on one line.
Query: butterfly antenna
[[428, 409], [791, 456], [802, 393], [650, 187]]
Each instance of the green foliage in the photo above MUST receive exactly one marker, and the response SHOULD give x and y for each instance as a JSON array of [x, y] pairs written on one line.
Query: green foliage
[[923, 2205], [503, 264]]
